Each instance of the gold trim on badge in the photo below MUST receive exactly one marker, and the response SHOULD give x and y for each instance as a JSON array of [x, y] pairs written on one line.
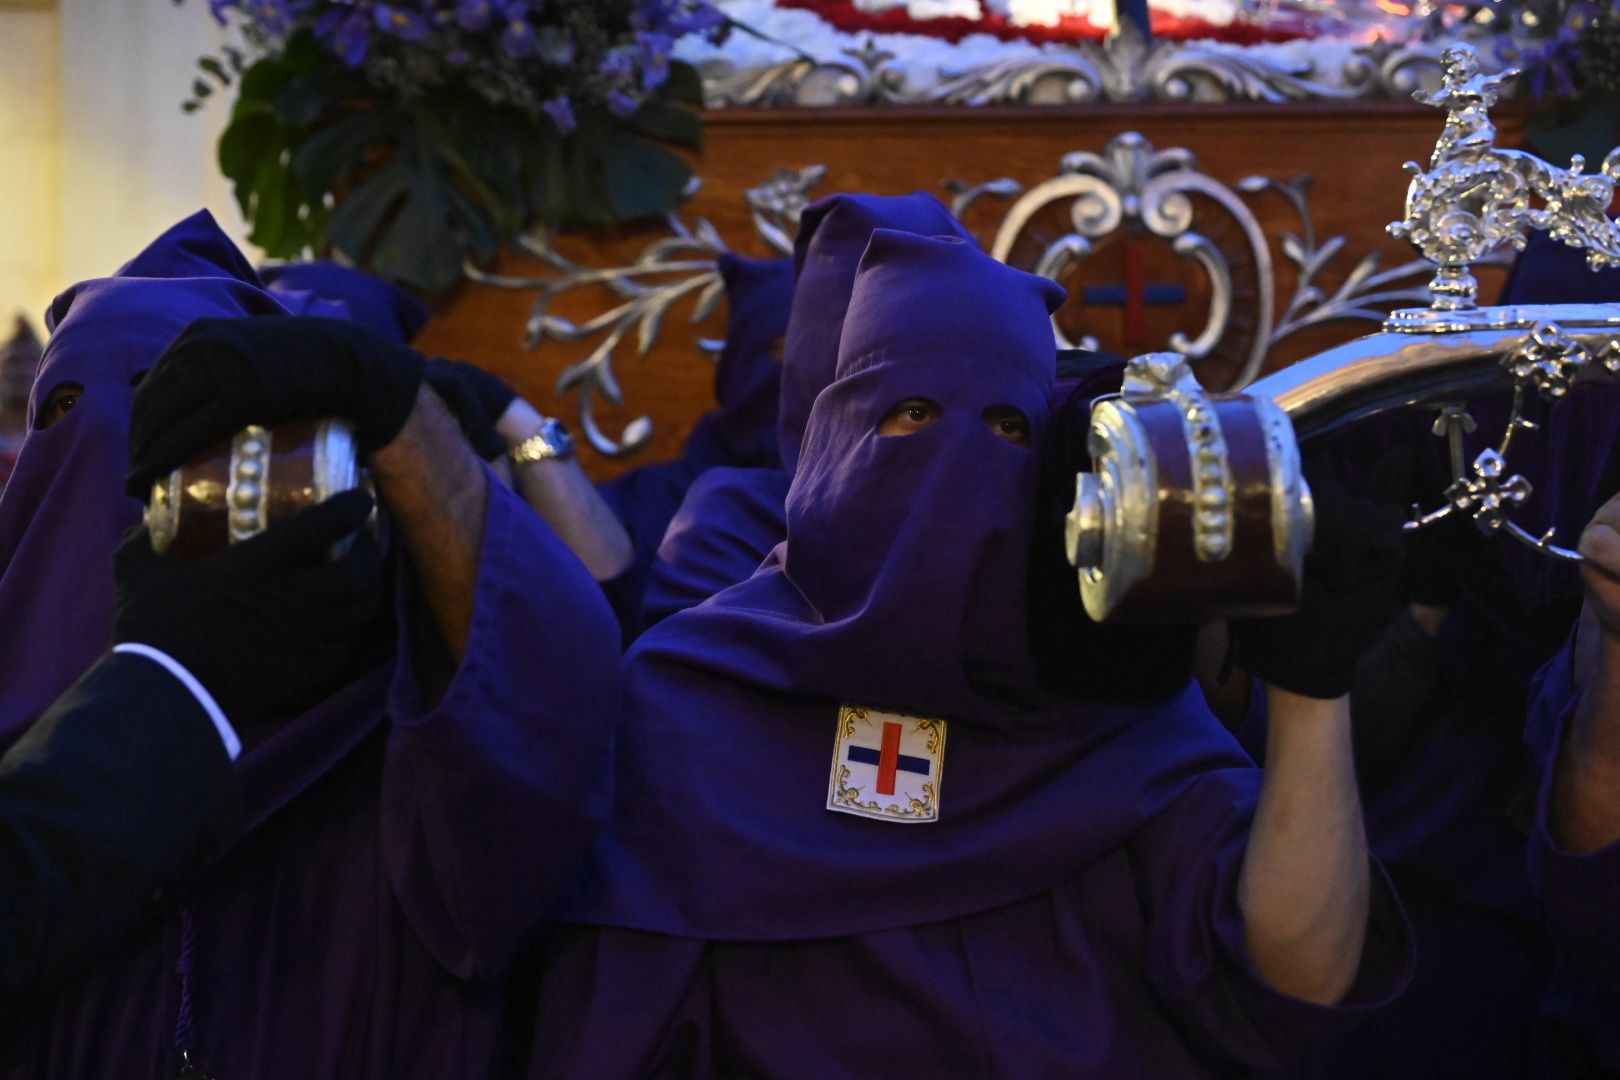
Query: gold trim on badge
[[846, 798]]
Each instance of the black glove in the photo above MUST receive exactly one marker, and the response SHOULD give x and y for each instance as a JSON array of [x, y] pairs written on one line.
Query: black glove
[[1348, 595], [270, 626], [1412, 472], [478, 399], [222, 374]]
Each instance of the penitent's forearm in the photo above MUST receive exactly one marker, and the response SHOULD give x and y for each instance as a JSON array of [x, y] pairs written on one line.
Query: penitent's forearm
[[564, 497], [434, 487], [1304, 884], [1586, 786]]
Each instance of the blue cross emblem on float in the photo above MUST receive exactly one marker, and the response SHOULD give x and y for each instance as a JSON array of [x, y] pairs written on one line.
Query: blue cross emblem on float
[[886, 766]]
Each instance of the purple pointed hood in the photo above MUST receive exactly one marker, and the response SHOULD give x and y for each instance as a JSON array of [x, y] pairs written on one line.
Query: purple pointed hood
[[341, 292], [64, 510], [933, 318], [833, 234]]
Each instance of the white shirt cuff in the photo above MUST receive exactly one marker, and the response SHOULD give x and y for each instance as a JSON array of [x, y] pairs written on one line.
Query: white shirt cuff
[[227, 734]]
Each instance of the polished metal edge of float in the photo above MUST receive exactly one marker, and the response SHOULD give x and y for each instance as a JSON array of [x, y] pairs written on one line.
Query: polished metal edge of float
[[335, 467], [1293, 512], [1126, 508], [1518, 317]]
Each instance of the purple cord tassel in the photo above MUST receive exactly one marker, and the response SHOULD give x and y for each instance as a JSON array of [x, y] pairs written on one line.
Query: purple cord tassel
[[186, 968]]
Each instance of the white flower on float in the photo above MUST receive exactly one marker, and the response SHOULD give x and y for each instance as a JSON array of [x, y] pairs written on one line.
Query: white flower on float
[[925, 9], [944, 9], [1051, 12]]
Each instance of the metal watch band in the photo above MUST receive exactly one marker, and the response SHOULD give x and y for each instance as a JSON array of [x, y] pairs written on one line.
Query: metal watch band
[[551, 441]]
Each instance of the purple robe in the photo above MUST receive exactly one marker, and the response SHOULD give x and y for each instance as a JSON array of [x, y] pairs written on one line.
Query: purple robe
[[740, 433], [1073, 909], [726, 525], [742, 504], [404, 835], [341, 292], [363, 929], [1580, 894]]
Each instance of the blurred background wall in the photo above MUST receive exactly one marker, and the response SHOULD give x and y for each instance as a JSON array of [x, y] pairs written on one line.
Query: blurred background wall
[[96, 156]]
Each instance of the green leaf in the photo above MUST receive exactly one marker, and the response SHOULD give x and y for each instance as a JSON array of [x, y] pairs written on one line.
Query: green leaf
[[263, 82], [213, 67], [359, 217], [303, 99], [586, 197], [545, 179], [489, 145], [201, 89], [325, 157], [243, 146], [669, 123], [685, 85], [643, 179], [275, 209], [473, 226], [417, 245]]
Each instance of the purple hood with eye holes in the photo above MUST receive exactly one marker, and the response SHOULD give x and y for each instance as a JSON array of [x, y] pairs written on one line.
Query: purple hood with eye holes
[[64, 510]]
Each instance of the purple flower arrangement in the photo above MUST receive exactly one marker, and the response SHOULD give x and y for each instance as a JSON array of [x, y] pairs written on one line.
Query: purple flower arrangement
[[1566, 48], [545, 55], [411, 136]]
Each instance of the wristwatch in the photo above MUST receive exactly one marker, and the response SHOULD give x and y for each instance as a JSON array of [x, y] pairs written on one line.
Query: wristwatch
[[552, 441]]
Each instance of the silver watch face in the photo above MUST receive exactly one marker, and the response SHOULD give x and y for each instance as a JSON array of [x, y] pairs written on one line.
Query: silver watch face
[[555, 432]]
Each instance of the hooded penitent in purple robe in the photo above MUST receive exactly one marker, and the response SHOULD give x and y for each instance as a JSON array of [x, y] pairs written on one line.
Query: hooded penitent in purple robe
[[740, 433], [1072, 909], [340, 292], [401, 839], [728, 524], [65, 509]]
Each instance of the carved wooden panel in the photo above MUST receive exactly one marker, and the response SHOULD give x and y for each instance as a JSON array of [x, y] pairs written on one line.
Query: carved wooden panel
[[1353, 154]]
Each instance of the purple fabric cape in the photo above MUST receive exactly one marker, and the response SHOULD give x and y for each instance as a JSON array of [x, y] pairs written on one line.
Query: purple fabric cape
[[1073, 910], [740, 433], [728, 522], [725, 528], [340, 292], [404, 834]]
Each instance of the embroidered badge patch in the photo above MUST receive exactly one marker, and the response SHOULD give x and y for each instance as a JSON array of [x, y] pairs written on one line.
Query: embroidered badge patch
[[886, 765]]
